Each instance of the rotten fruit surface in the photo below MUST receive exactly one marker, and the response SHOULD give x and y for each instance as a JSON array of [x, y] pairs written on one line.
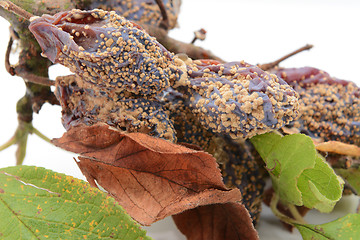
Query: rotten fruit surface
[[238, 99], [141, 11], [126, 79], [125, 83], [329, 106], [119, 58]]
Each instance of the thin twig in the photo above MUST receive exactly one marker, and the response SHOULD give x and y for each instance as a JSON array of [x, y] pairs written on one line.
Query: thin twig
[[177, 46], [268, 66], [21, 72], [30, 77], [15, 9], [8, 66], [165, 21]]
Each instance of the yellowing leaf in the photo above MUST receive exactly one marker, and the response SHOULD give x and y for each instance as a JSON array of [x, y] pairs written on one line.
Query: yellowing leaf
[[36, 203], [345, 228]]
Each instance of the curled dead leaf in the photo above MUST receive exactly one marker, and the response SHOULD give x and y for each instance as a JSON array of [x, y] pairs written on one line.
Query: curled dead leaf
[[151, 178], [339, 148], [149, 196], [216, 222]]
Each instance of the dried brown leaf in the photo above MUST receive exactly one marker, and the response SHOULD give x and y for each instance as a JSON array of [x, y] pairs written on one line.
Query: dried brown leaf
[[216, 222], [339, 148], [151, 178]]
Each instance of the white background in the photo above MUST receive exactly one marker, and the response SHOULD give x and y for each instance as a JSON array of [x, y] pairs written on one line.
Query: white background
[[256, 31]]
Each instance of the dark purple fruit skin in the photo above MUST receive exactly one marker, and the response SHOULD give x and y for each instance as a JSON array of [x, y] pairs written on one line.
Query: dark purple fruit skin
[[141, 11], [329, 106], [117, 56], [245, 80], [307, 76], [114, 87], [238, 160], [106, 50]]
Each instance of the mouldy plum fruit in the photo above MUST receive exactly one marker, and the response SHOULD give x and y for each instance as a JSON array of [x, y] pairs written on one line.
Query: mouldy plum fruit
[[83, 104], [105, 49], [238, 99], [187, 126], [141, 11], [330, 107], [241, 170], [119, 58], [237, 159], [124, 78]]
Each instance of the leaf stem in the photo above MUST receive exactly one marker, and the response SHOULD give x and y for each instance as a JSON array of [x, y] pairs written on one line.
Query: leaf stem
[[273, 206], [10, 142], [294, 211], [39, 134]]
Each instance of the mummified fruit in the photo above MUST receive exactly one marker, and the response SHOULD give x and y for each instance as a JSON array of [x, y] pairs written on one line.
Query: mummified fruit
[[238, 99], [107, 50], [141, 11], [82, 103], [329, 106], [119, 58], [237, 159]]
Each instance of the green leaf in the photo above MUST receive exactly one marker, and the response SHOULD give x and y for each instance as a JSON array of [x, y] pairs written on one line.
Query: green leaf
[[352, 176], [347, 227], [321, 188], [300, 176], [36, 203]]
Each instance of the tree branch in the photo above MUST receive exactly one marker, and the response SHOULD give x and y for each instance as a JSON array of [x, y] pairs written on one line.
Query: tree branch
[[15, 9], [177, 46], [10, 69], [165, 21], [20, 70], [268, 66]]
